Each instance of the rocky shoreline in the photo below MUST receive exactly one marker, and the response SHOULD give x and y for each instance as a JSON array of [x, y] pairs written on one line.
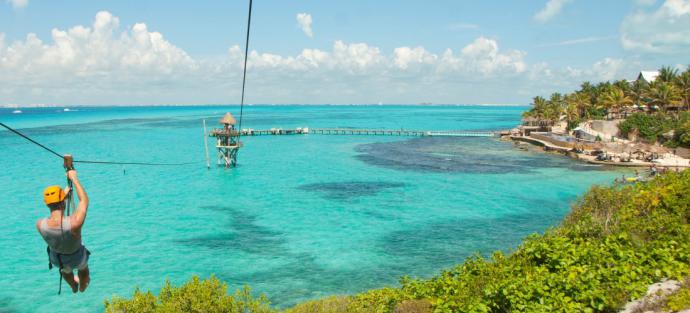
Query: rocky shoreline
[[615, 152]]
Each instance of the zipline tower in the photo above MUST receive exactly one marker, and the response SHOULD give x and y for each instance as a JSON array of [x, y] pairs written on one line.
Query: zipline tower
[[227, 141]]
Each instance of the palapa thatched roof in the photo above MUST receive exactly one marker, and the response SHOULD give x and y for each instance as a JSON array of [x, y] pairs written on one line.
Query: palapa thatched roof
[[228, 119]]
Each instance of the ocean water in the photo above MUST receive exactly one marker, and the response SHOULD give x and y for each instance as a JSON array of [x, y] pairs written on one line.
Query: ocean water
[[300, 218]]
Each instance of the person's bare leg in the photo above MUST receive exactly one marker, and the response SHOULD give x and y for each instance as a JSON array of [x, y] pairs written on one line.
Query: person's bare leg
[[69, 278], [84, 279]]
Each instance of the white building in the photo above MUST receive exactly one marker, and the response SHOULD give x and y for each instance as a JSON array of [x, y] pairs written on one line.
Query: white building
[[648, 76]]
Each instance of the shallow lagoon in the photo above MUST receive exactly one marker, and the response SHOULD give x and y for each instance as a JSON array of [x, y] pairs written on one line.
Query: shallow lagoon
[[302, 217]]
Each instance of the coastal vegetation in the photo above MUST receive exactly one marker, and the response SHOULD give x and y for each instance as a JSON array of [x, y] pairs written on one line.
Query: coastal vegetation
[[207, 296], [662, 98], [680, 300], [615, 242], [673, 130]]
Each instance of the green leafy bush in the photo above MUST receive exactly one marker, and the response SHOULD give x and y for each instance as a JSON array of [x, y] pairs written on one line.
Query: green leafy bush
[[649, 126], [202, 296], [596, 113], [652, 127], [682, 131], [681, 299]]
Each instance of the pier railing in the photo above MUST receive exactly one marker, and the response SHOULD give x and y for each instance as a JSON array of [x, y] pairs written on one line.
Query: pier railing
[[368, 132]]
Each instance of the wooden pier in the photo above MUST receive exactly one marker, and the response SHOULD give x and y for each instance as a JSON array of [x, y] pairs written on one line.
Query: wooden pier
[[368, 132]]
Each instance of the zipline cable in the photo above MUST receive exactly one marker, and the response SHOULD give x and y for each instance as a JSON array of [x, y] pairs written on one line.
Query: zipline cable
[[244, 72], [89, 161], [29, 139], [134, 163]]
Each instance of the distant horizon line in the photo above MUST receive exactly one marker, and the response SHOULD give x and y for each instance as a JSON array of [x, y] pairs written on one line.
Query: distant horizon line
[[33, 106]]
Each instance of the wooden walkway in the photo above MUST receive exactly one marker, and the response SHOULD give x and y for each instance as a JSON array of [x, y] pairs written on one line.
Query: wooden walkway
[[368, 132]]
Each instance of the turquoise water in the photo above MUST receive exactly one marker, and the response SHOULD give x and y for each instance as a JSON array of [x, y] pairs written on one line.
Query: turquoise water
[[301, 217]]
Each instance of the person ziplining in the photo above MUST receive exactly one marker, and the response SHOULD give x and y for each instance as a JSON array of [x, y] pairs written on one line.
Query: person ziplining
[[63, 233]]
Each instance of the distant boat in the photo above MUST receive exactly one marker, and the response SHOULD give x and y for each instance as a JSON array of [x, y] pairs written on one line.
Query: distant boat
[[17, 111], [66, 110]]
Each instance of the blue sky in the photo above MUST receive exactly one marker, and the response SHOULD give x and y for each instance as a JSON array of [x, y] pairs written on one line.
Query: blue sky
[[182, 52]]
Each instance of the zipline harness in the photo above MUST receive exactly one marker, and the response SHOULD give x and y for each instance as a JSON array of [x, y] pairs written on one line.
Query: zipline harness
[[69, 204]]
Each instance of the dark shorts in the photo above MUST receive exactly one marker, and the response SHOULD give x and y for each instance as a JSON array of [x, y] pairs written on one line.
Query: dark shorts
[[77, 260]]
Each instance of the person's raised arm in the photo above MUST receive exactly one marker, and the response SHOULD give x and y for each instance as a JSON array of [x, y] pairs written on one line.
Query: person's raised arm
[[80, 214]]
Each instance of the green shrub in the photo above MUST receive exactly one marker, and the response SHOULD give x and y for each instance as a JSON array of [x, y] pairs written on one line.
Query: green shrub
[[333, 304], [681, 299], [596, 113], [652, 127], [649, 126], [202, 296], [682, 135], [414, 306]]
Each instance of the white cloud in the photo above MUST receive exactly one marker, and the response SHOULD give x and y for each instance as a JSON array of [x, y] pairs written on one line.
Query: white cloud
[[357, 56], [406, 56], [551, 9], [94, 59], [106, 63], [87, 51], [645, 2], [461, 26], [351, 58], [665, 30], [304, 21], [577, 41], [544, 79], [18, 4], [608, 69], [482, 56]]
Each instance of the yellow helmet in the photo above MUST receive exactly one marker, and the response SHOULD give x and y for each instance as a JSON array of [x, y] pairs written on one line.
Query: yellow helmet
[[53, 194]]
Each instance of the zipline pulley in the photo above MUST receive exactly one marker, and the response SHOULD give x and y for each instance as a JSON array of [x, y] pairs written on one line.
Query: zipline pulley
[[68, 164]]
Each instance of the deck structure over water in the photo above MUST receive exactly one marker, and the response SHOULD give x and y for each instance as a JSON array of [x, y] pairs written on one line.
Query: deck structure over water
[[369, 132], [227, 141]]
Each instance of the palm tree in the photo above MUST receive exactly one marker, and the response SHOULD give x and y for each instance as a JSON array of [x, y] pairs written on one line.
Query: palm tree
[[623, 85], [572, 116], [667, 74], [637, 92], [582, 102], [539, 102], [614, 99], [588, 89], [586, 86], [683, 84], [556, 106], [537, 110], [599, 90], [664, 95]]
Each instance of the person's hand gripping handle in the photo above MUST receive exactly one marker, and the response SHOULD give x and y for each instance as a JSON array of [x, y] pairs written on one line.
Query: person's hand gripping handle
[[68, 164]]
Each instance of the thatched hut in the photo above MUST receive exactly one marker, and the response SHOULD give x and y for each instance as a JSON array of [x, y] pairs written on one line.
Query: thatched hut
[[533, 124], [227, 141], [228, 120]]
